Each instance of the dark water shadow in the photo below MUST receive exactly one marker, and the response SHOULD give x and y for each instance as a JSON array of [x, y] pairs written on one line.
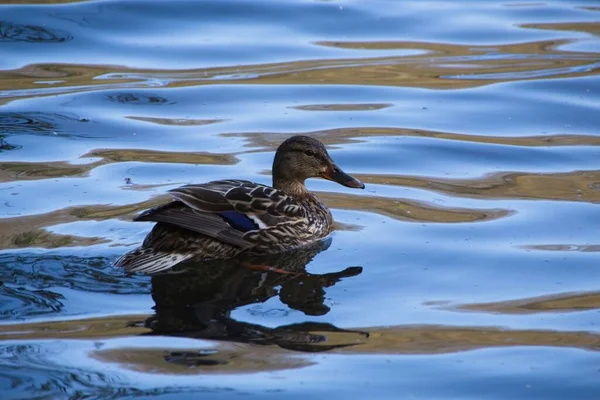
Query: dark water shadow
[[5, 146], [33, 285], [198, 302], [10, 32], [40, 123], [138, 99]]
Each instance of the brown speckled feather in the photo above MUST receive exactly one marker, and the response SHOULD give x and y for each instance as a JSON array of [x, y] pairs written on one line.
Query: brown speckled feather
[[210, 224], [242, 196], [191, 227]]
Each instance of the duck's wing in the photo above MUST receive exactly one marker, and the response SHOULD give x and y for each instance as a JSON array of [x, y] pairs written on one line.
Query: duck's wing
[[209, 224], [232, 212], [227, 210], [242, 196]]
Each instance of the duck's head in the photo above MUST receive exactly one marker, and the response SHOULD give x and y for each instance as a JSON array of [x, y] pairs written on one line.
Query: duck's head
[[303, 157]]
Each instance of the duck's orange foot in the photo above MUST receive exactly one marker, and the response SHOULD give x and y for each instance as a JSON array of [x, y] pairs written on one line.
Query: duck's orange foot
[[268, 268]]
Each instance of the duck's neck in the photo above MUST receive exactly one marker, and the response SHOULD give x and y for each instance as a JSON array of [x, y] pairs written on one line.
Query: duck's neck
[[291, 187]]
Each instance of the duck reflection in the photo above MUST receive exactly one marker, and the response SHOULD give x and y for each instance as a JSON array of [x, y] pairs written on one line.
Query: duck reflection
[[198, 302]]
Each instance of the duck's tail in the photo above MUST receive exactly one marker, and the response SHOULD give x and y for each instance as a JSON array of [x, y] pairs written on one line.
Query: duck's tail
[[150, 261]]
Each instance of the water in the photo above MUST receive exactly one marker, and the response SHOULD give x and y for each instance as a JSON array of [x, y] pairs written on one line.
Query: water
[[468, 268]]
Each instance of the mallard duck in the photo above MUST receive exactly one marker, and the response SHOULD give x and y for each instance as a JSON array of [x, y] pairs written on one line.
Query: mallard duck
[[221, 219]]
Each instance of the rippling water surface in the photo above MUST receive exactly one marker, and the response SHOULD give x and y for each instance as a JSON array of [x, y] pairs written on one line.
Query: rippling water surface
[[468, 268]]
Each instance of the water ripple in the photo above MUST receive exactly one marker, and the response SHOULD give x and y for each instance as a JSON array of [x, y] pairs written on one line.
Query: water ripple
[[32, 284], [473, 124]]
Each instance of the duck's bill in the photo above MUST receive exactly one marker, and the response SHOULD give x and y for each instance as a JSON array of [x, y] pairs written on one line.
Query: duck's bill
[[335, 173]]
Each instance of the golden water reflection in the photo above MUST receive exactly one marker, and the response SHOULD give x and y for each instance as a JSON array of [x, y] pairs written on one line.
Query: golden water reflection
[[570, 186], [444, 66], [19, 171], [270, 140], [563, 302], [261, 141], [223, 357]]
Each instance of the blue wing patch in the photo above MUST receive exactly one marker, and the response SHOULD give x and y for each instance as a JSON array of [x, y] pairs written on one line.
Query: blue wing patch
[[239, 221]]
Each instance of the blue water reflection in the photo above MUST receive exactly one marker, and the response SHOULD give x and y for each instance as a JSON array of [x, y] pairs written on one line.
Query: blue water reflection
[[466, 269]]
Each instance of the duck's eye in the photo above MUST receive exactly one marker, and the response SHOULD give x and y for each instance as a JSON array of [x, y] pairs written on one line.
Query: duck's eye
[[309, 153]]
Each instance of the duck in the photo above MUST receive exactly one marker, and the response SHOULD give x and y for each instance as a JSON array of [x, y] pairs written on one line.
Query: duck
[[225, 218]]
